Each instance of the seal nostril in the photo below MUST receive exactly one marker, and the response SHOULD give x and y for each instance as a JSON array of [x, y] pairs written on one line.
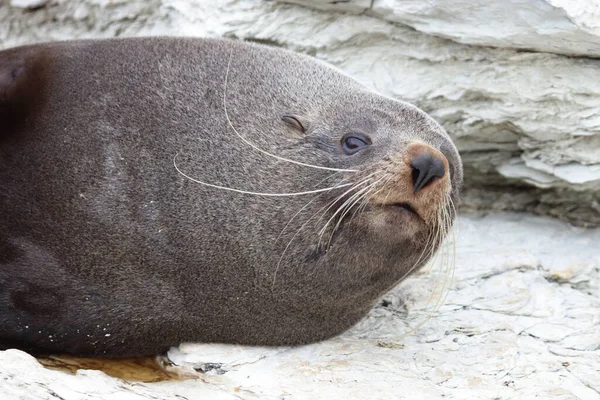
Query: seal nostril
[[426, 168]]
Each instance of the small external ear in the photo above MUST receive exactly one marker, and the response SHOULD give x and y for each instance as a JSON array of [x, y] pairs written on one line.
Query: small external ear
[[22, 79], [295, 122]]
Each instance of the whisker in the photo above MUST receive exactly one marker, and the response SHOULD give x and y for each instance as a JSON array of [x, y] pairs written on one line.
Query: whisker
[[438, 238], [443, 263], [256, 193], [359, 183], [307, 204], [358, 196], [285, 250], [435, 235], [453, 260], [366, 200], [427, 250], [446, 224], [354, 186], [340, 197], [338, 211]]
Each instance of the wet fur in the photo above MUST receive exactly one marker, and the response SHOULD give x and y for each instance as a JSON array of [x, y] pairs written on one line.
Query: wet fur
[[105, 249]]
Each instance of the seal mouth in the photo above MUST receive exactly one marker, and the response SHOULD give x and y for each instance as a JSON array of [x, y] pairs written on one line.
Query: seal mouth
[[402, 208], [406, 208]]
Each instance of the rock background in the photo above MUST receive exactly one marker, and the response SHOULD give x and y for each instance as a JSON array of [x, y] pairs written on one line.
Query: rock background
[[517, 85], [524, 113]]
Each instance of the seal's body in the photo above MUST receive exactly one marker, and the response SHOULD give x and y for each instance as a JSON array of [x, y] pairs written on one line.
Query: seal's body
[[113, 241]]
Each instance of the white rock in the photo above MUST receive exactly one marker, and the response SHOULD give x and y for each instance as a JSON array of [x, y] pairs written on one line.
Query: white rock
[[556, 26], [352, 6], [31, 4]]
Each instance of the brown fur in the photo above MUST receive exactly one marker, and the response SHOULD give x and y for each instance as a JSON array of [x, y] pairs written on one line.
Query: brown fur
[[105, 249]]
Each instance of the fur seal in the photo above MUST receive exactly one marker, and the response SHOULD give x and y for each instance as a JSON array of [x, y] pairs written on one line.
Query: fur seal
[[162, 190]]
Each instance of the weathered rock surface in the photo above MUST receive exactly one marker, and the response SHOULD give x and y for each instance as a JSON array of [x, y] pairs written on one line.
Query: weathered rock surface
[[521, 321], [555, 26], [527, 124]]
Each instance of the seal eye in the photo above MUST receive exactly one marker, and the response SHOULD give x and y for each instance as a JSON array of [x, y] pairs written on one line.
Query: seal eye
[[355, 142]]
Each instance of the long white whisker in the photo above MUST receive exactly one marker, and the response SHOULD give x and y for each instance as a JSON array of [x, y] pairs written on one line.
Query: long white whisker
[[255, 193], [366, 199], [439, 234], [285, 250], [306, 205], [339, 210], [358, 197], [443, 263], [452, 266], [435, 237], [354, 186], [341, 196]]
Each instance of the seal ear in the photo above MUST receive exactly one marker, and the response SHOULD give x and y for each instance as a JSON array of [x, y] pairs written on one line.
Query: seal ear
[[21, 82], [295, 121]]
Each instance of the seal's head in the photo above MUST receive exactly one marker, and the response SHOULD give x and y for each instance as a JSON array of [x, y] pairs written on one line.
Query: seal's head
[[380, 181], [403, 173], [394, 194]]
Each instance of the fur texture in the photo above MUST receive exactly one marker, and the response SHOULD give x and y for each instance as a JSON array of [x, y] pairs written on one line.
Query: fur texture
[[107, 250]]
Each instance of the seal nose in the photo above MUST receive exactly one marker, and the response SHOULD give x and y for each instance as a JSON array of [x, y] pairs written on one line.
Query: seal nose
[[426, 167]]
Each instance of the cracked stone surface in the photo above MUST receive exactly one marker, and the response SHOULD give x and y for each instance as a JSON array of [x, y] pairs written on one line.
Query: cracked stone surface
[[554, 26], [527, 123], [521, 320]]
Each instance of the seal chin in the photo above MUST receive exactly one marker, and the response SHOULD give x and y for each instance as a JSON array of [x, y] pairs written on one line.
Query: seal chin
[[393, 221]]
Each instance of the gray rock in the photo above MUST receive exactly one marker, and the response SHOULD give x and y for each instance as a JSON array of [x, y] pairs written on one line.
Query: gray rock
[[28, 4], [554, 26]]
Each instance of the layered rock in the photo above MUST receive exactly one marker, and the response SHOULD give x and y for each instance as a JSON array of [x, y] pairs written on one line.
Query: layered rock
[[555, 26], [527, 123]]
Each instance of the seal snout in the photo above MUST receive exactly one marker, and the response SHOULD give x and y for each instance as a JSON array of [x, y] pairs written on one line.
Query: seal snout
[[425, 169], [417, 184], [427, 163]]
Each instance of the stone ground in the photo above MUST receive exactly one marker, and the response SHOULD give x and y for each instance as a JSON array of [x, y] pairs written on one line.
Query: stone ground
[[521, 320]]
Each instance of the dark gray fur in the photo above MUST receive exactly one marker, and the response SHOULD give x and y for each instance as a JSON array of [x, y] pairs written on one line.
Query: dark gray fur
[[106, 250]]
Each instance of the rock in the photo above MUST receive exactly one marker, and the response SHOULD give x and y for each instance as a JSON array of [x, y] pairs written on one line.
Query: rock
[[520, 320], [28, 4], [554, 26], [352, 6], [527, 123], [507, 115]]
